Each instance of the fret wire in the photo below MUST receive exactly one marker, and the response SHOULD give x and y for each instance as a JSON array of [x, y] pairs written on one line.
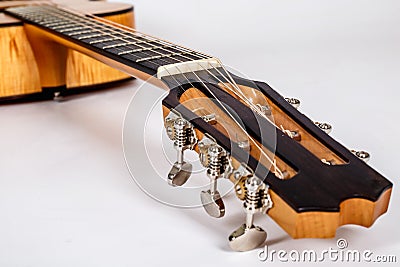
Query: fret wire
[[160, 56], [74, 20], [130, 30], [139, 50], [132, 37], [175, 47], [272, 162], [193, 53], [153, 47], [277, 171], [90, 36], [122, 44], [53, 23], [70, 17], [70, 29], [61, 26], [167, 63], [174, 59], [102, 41], [214, 96], [79, 33]]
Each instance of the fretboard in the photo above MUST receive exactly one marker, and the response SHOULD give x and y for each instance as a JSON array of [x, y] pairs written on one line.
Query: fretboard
[[137, 50]]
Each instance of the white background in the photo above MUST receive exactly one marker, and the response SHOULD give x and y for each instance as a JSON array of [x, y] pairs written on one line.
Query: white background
[[67, 198]]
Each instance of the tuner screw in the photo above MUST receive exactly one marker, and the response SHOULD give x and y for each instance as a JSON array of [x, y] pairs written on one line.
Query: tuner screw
[[327, 128], [363, 155], [293, 101], [257, 199]]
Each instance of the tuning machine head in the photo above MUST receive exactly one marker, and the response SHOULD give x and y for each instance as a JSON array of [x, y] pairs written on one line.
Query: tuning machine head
[[182, 133], [256, 199], [216, 160]]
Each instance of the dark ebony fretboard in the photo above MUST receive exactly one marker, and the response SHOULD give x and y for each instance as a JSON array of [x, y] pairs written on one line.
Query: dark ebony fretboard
[[134, 49]]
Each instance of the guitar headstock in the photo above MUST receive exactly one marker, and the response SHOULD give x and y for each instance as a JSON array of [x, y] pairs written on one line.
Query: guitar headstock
[[279, 161]]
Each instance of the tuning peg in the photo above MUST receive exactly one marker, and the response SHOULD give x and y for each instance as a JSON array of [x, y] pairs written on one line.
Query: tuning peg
[[293, 101], [180, 171], [212, 203], [327, 128], [363, 155], [215, 159], [246, 238], [257, 199], [182, 133], [211, 199]]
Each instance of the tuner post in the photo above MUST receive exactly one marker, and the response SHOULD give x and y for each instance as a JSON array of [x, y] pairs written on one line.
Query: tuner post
[[293, 101], [362, 155], [326, 127]]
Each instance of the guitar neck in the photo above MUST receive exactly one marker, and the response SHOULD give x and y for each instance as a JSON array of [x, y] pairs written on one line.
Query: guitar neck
[[125, 49]]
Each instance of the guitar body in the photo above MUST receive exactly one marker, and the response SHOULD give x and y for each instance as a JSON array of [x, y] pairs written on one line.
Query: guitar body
[[28, 70]]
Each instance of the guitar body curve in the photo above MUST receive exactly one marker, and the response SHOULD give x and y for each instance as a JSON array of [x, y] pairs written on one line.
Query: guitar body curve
[[33, 68]]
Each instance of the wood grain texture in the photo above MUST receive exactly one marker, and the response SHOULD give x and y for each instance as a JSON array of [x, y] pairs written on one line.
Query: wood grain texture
[[110, 62], [201, 105], [38, 61], [51, 57], [316, 224], [84, 71], [19, 72], [298, 224], [283, 120]]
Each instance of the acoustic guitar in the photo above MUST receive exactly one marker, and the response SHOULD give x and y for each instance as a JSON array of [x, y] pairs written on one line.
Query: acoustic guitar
[[279, 161], [66, 71]]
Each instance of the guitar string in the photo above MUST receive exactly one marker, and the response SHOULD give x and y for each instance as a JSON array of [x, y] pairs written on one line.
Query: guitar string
[[94, 24], [132, 30], [234, 89], [276, 170], [230, 80], [177, 47]]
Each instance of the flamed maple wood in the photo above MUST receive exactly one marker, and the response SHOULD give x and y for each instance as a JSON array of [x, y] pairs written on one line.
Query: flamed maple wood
[[47, 64]]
